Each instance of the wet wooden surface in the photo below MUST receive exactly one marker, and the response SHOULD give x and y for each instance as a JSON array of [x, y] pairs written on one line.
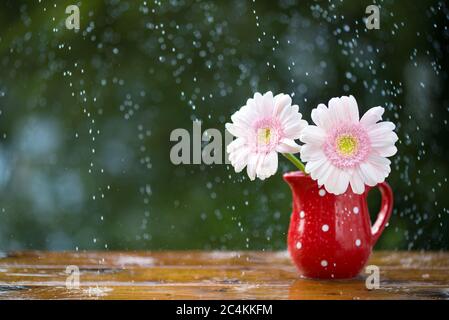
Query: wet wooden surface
[[212, 275]]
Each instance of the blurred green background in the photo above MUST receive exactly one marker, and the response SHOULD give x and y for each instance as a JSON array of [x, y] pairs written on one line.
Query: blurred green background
[[85, 117]]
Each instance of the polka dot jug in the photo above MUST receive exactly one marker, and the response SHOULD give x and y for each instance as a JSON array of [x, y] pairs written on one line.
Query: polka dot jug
[[331, 237]]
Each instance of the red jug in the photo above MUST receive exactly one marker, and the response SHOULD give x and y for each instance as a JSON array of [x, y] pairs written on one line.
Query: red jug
[[330, 236]]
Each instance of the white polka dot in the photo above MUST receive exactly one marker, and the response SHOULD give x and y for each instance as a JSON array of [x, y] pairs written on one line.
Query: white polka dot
[[302, 214], [358, 242], [323, 263], [298, 245], [355, 210], [322, 192], [325, 228]]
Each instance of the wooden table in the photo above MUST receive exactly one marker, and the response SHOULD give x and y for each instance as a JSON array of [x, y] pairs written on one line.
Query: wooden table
[[211, 275]]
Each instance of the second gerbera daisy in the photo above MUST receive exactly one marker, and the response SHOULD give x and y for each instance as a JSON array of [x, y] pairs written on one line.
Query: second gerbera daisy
[[264, 127], [341, 149]]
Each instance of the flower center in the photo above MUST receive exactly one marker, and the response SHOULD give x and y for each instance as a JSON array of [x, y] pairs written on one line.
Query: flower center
[[346, 145], [263, 135], [266, 135]]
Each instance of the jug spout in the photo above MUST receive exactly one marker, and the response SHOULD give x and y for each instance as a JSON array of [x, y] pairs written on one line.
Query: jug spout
[[293, 177], [298, 181]]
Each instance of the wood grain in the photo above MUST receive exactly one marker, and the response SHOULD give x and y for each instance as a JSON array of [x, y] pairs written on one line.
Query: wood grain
[[212, 275]]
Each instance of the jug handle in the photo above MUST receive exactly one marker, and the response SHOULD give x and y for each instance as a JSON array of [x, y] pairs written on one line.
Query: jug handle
[[384, 214]]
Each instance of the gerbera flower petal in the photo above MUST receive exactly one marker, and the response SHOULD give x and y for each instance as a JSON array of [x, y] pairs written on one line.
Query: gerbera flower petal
[[310, 152], [287, 145], [351, 109], [235, 144], [321, 170], [381, 164], [381, 140], [381, 128], [321, 118], [313, 134], [235, 130], [337, 112], [238, 154], [312, 166], [268, 103], [343, 182], [372, 116], [252, 165], [324, 176], [241, 160], [388, 151], [356, 182], [267, 165], [281, 101], [293, 127], [370, 174], [242, 118], [337, 182], [258, 99]]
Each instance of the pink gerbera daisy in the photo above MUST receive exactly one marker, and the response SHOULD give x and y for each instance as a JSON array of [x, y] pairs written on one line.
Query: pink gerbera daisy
[[341, 149], [264, 126]]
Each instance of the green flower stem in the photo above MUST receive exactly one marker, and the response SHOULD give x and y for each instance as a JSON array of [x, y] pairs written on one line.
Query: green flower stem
[[295, 161]]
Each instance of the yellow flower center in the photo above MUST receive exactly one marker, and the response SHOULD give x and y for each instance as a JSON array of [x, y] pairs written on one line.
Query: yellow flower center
[[347, 145], [264, 135]]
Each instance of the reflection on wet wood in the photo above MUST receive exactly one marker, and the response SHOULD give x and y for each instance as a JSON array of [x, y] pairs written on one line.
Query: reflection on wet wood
[[212, 275]]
